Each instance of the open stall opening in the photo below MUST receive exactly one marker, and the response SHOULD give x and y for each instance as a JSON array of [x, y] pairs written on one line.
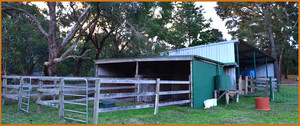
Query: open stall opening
[[252, 59], [165, 70]]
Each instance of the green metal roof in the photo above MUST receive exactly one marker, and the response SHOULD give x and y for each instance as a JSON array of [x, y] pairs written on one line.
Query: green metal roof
[[174, 56]]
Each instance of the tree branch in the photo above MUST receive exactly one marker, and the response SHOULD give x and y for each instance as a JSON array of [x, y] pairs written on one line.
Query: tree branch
[[64, 55], [76, 27], [30, 16]]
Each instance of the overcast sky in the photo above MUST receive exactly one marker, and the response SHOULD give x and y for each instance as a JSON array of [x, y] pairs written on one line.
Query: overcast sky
[[209, 10], [217, 22]]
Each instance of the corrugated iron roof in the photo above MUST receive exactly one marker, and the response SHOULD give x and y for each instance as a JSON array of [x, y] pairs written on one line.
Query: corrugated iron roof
[[210, 44], [158, 58]]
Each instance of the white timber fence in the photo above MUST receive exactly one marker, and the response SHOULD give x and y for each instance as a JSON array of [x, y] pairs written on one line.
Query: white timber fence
[[261, 86], [54, 87], [156, 93]]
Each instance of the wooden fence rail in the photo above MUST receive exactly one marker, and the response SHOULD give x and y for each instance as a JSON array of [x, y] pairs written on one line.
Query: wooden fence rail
[[157, 93], [266, 84], [52, 86]]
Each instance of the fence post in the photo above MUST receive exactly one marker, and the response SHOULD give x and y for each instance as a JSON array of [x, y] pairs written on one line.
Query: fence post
[[20, 91], [240, 83], [227, 97], [96, 101], [191, 93], [3, 90], [39, 97], [61, 97], [271, 89], [157, 96]]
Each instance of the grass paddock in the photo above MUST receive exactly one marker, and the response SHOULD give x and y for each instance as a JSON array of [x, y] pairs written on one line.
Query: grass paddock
[[236, 113]]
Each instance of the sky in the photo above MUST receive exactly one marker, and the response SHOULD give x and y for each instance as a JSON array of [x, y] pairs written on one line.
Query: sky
[[217, 23], [209, 12]]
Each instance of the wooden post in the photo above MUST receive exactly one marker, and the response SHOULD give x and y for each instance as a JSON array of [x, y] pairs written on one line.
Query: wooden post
[[237, 97], [190, 88], [215, 94], [240, 83], [271, 89], [20, 92], [251, 85], [39, 97], [96, 101], [137, 85], [3, 90], [61, 97], [227, 97], [157, 96], [246, 85]]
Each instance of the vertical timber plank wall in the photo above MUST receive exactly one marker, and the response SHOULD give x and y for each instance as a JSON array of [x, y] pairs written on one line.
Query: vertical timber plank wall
[[203, 82]]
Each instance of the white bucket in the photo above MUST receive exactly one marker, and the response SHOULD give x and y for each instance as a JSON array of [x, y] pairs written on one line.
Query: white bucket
[[214, 102], [210, 103]]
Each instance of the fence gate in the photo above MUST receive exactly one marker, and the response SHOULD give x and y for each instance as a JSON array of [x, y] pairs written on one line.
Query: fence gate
[[78, 88], [286, 92], [24, 94]]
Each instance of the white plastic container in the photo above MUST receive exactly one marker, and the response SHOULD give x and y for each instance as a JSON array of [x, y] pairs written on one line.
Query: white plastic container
[[210, 103], [214, 102]]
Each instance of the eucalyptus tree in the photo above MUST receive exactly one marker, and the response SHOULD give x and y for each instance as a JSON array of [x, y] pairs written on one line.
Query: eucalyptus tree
[[24, 49], [270, 26], [190, 28], [57, 49]]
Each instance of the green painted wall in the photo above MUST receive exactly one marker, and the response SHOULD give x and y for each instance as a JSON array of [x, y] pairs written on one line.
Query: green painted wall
[[203, 82]]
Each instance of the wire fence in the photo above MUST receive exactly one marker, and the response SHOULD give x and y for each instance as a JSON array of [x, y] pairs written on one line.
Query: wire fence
[[287, 93]]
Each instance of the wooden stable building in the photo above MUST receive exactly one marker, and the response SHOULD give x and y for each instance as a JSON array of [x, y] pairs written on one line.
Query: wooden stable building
[[199, 70]]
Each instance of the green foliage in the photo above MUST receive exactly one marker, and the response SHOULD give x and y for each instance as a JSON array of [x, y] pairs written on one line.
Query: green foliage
[[24, 49], [190, 28], [122, 29], [247, 21]]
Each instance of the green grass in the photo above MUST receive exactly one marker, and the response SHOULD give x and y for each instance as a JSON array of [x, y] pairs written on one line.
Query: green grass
[[287, 94], [236, 113]]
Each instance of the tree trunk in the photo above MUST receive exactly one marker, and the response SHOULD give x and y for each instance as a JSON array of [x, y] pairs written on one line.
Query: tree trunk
[[79, 61], [272, 41], [4, 64], [280, 61], [286, 73], [98, 53], [51, 70]]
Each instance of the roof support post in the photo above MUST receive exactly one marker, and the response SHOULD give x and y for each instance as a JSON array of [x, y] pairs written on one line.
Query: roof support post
[[191, 84], [137, 85], [267, 67], [238, 58], [254, 62]]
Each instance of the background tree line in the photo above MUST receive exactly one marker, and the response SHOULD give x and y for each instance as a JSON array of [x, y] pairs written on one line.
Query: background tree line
[[270, 26], [65, 38]]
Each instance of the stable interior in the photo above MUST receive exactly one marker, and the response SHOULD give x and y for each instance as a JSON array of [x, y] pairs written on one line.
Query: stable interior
[[165, 70]]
